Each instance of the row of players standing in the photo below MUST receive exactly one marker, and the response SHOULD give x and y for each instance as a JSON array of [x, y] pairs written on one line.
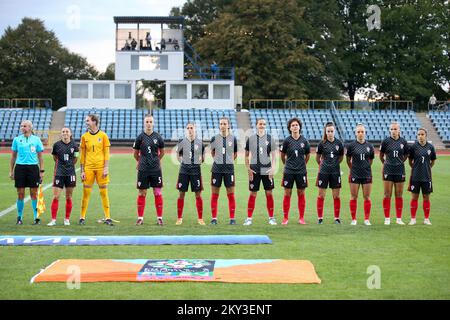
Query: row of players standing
[[260, 160]]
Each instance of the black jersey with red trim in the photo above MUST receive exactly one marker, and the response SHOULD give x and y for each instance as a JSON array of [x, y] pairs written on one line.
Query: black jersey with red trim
[[149, 146], [224, 149], [260, 148], [191, 154], [422, 156], [296, 151], [361, 154], [331, 152], [65, 154], [396, 152]]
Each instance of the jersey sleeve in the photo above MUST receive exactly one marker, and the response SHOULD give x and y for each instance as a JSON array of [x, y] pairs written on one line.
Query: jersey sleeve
[[137, 143], [284, 146], [319, 149], [235, 145], [54, 149], [273, 145], [307, 147], [247, 144], [372, 152], [406, 148], [433, 153], [341, 148], [82, 150], [14, 145], [349, 152], [383, 146], [411, 152], [160, 142], [212, 144], [106, 146], [180, 148], [39, 146]]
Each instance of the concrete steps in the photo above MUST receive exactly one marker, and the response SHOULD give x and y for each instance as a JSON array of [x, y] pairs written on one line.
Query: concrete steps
[[433, 136]]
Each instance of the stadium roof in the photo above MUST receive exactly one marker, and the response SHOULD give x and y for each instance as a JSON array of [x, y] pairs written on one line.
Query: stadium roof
[[143, 19]]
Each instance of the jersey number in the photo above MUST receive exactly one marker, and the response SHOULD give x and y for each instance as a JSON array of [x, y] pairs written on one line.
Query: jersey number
[[423, 159], [149, 149], [362, 156], [395, 153], [66, 157], [296, 153], [332, 155]]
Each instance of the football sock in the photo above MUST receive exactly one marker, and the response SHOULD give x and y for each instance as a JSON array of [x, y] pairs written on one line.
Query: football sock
[[426, 208], [399, 207], [231, 204], [68, 208], [353, 207], [270, 206], [105, 202], [140, 205], [337, 207], [319, 206], [251, 205], [214, 202], [387, 207], [85, 201], [55, 204], [34, 206], [413, 205], [199, 205], [159, 205], [20, 204], [367, 208], [301, 205], [180, 206], [286, 206]]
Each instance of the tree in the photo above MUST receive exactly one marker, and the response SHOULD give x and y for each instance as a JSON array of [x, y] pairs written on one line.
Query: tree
[[199, 14], [109, 73], [35, 64], [410, 55], [258, 38]]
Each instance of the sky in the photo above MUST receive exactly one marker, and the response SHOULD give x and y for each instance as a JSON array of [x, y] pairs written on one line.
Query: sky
[[84, 27]]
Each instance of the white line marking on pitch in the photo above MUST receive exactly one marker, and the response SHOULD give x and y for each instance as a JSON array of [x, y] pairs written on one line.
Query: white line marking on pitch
[[14, 206]]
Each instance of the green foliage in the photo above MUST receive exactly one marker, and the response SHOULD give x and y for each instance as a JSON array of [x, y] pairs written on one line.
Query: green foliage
[[318, 49], [35, 64], [109, 74]]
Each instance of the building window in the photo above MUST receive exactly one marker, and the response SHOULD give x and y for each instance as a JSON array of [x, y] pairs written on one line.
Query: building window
[[122, 91], [178, 91], [149, 62], [101, 91], [221, 91], [80, 91], [199, 91]]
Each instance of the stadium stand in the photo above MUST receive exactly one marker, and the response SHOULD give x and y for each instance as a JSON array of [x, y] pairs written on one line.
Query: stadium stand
[[313, 121], [11, 119], [441, 122], [376, 122], [125, 124]]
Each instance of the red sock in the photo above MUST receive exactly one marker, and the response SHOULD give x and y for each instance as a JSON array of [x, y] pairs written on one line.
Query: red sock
[[199, 205], [337, 207], [140, 206], [399, 207], [214, 203], [414, 204], [367, 208], [426, 208], [251, 205], [55, 204], [387, 207], [180, 206], [286, 206], [270, 206], [301, 206], [159, 205], [353, 206], [319, 204], [231, 204], [68, 208]]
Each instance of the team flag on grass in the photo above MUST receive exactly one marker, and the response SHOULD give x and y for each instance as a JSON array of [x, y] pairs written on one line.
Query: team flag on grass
[[209, 270], [41, 201]]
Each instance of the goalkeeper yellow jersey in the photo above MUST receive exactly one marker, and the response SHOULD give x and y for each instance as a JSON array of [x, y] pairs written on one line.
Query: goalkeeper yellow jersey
[[94, 150]]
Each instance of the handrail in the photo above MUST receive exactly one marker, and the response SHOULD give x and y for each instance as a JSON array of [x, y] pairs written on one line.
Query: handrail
[[339, 104], [31, 102]]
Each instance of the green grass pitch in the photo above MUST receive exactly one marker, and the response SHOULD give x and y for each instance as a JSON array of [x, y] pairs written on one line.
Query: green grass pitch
[[414, 260]]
